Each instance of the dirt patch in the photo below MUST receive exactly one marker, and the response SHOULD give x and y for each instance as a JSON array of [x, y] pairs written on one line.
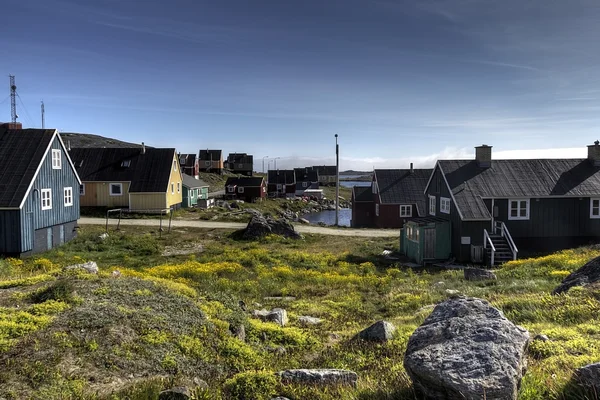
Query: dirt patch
[[183, 249]]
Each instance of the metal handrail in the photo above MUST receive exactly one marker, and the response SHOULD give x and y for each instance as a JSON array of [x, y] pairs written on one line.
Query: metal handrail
[[511, 243], [486, 240]]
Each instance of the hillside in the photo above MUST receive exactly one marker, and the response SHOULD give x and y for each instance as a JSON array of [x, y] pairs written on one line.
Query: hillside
[[89, 140], [167, 320]]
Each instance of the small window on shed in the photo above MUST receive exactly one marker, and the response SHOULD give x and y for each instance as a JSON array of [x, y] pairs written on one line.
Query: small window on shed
[[125, 163], [594, 208], [56, 159], [116, 189], [82, 189], [241, 189]]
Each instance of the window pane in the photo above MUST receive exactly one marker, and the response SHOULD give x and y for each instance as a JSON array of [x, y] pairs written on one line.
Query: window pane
[[523, 204], [513, 212], [596, 203], [523, 212]]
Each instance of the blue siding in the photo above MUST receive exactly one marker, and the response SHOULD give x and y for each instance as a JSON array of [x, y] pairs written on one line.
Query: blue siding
[[32, 216], [10, 240]]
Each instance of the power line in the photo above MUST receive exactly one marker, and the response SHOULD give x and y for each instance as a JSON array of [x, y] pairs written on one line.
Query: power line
[[25, 108], [3, 101]]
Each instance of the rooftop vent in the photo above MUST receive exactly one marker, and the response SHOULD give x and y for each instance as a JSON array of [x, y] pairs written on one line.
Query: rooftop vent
[[594, 153]]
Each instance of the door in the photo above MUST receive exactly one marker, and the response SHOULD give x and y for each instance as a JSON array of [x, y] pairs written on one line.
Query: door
[[62, 234], [429, 251], [49, 238]]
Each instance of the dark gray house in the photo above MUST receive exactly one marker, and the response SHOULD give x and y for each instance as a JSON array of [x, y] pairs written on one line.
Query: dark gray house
[[306, 178], [39, 191], [501, 208], [240, 163]]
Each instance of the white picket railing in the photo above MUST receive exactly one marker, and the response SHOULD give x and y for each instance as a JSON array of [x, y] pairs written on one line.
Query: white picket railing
[[487, 240]]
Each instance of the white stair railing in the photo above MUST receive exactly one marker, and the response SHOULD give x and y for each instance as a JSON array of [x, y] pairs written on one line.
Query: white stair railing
[[487, 240]]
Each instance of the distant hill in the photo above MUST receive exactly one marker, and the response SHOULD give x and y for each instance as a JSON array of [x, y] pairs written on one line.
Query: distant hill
[[89, 140], [352, 172]]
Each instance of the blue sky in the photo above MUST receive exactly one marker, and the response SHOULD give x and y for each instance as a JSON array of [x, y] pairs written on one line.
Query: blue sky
[[399, 81]]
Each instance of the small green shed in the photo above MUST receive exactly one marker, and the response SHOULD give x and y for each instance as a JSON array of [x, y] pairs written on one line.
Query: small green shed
[[193, 190], [426, 239]]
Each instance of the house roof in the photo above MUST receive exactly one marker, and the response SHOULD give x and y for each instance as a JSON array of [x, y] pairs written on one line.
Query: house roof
[[147, 172], [88, 140], [240, 158], [191, 182], [253, 181], [401, 186], [207, 155], [362, 194], [283, 176], [306, 175], [21, 153], [470, 183], [187, 160], [325, 169]]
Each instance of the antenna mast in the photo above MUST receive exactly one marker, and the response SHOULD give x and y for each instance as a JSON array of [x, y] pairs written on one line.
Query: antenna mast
[[13, 99], [43, 119]]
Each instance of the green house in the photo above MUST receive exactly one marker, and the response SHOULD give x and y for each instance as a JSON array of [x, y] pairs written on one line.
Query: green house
[[193, 190], [426, 240]]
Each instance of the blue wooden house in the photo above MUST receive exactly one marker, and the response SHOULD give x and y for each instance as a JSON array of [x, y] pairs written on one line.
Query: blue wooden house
[[39, 191]]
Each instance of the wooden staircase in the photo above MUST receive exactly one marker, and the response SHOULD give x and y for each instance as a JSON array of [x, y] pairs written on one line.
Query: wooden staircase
[[503, 252]]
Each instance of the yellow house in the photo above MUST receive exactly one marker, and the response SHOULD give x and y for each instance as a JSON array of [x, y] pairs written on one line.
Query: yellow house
[[140, 179]]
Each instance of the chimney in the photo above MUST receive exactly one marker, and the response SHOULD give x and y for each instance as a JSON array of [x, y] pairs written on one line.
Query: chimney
[[11, 125], [483, 155], [594, 153], [143, 148], [411, 168]]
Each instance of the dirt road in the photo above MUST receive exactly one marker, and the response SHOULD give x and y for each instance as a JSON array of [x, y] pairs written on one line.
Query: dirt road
[[236, 225]]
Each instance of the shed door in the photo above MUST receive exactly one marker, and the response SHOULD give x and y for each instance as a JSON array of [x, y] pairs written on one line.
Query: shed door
[[429, 251], [49, 238]]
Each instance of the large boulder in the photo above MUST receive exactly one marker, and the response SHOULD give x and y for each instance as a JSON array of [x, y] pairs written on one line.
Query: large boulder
[[277, 315], [283, 228], [588, 378], [176, 393], [319, 377], [260, 226], [305, 320], [478, 274], [89, 267], [589, 273], [466, 349], [380, 331]]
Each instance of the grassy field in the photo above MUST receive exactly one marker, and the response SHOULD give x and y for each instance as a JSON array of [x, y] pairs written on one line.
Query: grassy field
[[166, 319]]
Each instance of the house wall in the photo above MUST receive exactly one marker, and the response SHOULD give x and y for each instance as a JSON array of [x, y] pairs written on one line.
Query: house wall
[[212, 166], [362, 214], [148, 201], [189, 197], [32, 216], [54, 233], [10, 228], [174, 198], [203, 193], [97, 194]]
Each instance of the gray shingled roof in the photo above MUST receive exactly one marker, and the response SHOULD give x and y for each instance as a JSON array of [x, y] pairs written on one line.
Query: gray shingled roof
[[283, 176], [325, 169], [191, 182], [253, 181], [21, 152], [362, 194], [208, 155], [400, 186], [517, 179]]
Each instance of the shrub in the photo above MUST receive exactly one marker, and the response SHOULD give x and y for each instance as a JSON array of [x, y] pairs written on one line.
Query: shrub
[[251, 385]]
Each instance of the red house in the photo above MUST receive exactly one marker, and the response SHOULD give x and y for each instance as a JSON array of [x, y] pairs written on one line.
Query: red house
[[249, 189]]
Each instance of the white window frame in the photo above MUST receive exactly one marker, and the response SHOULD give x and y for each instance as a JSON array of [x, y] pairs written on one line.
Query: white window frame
[[56, 159], [377, 209], [444, 205], [178, 187], [46, 197], [279, 186], [82, 189], [432, 201], [110, 189], [518, 217], [241, 189], [405, 211], [68, 196], [304, 184], [597, 213], [231, 189]]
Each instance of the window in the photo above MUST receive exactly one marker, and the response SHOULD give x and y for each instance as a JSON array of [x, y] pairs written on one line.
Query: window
[[174, 165], [412, 233], [377, 210], [178, 187], [68, 192], [406, 211], [304, 184], [518, 209], [445, 205], [231, 189], [125, 163], [172, 188], [207, 163], [594, 208], [241, 189], [264, 189], [46, 199], [116, 189], [82, 189], [56, 161], [240, 166], [279, 186], [431, 205]]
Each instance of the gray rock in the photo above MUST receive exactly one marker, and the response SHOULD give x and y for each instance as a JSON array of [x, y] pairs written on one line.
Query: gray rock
[[304, 221], [277, 315], [283, 228], [585, 275], [252, 211], [319, 377], [478, 274], [380, 331], [116, 273], [260, 226], [452, 291], [466, 349], [306, 320], [89, 266], [238, 331], [176, 393], [541, 337], [282, 298], [260, 313], [279, 398], [104, 236], [588, 378], [439, 284], [278, 350]]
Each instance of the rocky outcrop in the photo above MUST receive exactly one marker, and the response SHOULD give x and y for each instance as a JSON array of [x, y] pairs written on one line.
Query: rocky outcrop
[[90, 267], [380, 331], [478, 274], [589, 273], [319, 377], [588, 378], [176, 393], [277, 315], [466, 349], [260, 226], [306, 320]]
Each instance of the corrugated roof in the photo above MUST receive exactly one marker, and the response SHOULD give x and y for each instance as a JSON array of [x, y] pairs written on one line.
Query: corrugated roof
[[401, 186], [362, 194], [21, 152], [208, 155], [306, 175], [253, 181], [284, 176], [517, 179], [147, 172], [241, 158], [191, 182]]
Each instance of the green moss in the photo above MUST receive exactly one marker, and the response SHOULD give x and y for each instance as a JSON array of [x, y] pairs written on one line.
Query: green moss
[[252, 385]]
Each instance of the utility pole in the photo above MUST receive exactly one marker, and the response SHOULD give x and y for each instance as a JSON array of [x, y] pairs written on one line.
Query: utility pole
[[337, 181], [13, 99], [264, 163], [43, 118]]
